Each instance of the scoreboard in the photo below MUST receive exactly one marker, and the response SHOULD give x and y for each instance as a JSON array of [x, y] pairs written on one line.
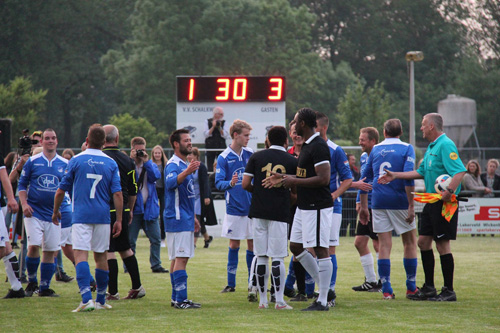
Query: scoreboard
[[259, 100]]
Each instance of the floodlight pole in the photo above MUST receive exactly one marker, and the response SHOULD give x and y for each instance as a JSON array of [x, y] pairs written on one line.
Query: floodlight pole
[[412, 57]]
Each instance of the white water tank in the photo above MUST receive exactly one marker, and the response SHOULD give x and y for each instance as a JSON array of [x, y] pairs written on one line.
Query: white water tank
[[459, 117]]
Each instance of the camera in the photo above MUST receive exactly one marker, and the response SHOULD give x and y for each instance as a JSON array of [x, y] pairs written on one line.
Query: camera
[[218, 123], [25, 143], [140, 153]]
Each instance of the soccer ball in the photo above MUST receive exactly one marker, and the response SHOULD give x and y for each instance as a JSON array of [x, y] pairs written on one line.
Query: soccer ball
[[442, 182]]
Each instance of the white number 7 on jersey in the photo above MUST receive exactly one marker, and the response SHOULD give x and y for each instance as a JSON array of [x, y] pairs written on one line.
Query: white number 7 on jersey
[[97, 179]]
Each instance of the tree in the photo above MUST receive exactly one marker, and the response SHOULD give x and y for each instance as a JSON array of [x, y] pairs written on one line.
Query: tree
[[22, 104], [130, 127], [361, 107], [221, 37]]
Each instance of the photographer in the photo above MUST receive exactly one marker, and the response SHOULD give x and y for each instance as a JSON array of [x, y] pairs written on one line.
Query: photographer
[[215, 135], [147, 207]]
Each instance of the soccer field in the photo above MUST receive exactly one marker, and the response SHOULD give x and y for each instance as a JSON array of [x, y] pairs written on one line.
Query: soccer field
[[477, 270]]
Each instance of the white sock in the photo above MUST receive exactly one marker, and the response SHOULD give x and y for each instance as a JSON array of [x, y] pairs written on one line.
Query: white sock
[[310, 265], [14, 281], [252, 272], [279, 267], [376, 271], [262, 265], [325, 275], [368, 267]]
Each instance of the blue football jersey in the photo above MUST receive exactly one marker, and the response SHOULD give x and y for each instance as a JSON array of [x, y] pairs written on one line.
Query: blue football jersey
[[41, 178], [394, 155], [179, 198], [362, 165], [228, 163], [92, 177], [340, 171]]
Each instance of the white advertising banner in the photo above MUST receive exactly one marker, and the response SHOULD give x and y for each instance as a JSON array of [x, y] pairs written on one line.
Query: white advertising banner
[[479, 216]]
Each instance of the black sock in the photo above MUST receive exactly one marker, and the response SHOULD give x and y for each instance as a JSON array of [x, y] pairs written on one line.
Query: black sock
[[448, 267], [133, 271], [300, 277], [428, 264], [113, 276]]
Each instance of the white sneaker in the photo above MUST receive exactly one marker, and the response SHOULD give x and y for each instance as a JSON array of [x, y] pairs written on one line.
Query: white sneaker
[[85, 307], [263, 306], [105, 306], [282, 306], [163, 244]]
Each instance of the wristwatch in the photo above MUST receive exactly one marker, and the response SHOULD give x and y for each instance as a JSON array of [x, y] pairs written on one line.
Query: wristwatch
[[452, 191]]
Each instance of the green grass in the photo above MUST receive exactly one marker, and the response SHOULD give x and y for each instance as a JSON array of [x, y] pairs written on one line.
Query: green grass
[[477, 271]]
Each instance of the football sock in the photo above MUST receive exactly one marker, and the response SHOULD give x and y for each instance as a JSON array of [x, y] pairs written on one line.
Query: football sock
[[250, 256], [32, 267], [180, 281], [368, 267], [310, 285], [172, 282], [325, 269], [83, 279], [46, 273], [428, 265], [252, 279], [333, 278], [102, 279], [410, 265], [384, 270], [448, 266], [59, 262], [310, 264], [279, 273], [300, 275], [133, 271], [12, 270], [262, 277], [376, 270], [290, 279], [232, 266], [113, 276]]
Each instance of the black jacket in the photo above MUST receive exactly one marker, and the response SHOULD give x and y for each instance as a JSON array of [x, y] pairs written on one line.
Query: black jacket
[[496, 183]]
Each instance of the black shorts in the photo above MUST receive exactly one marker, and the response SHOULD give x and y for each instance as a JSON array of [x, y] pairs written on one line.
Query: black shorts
[[120, 243], [366, 230], [435, 225]]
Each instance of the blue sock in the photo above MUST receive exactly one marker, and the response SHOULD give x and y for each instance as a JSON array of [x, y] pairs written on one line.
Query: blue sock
[[232, 266], [172, 282], [290, 279], [46, 273], [411, 273], [333, 280], [83, 279], [91, 279], [250, 256], [180, 281], [32, 267], [309, 285], [384, 271], [102, 278]]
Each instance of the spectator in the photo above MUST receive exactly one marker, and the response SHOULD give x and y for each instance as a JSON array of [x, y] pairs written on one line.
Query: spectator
[[472, 180], [68, 153], [215, 135], [158, 157], [297, 140], [147, 207], [491, 179], [352, 165]]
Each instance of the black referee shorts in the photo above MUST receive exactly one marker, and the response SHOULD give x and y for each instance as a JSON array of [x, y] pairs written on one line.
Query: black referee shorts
[[435, 225], [366, 230], [120, 243]]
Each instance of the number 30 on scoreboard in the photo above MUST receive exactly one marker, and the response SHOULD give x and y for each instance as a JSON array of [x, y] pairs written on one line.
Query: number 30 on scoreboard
[[231, 89]]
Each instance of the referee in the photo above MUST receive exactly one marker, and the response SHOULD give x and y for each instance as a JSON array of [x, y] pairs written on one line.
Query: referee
[[440, 158]]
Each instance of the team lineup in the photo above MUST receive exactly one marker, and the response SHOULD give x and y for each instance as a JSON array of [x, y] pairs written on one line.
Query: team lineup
[[276, 199]]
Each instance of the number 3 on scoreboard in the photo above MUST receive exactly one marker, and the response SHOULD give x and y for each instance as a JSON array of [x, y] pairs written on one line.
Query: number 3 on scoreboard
[[276, 169], [97, 179]]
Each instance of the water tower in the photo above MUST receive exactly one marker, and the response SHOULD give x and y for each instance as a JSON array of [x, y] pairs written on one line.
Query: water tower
[[460, 118]]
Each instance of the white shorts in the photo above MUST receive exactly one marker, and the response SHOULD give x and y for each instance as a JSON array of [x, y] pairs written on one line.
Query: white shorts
[[4, 233], [312, 228], [180, 244], [335, 230], [270, 238], [66, 236], [385, 220], [43, 233], [237, 227], [90, 237]]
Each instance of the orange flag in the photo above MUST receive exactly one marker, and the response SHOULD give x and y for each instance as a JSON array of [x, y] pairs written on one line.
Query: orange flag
[[449, 207]]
